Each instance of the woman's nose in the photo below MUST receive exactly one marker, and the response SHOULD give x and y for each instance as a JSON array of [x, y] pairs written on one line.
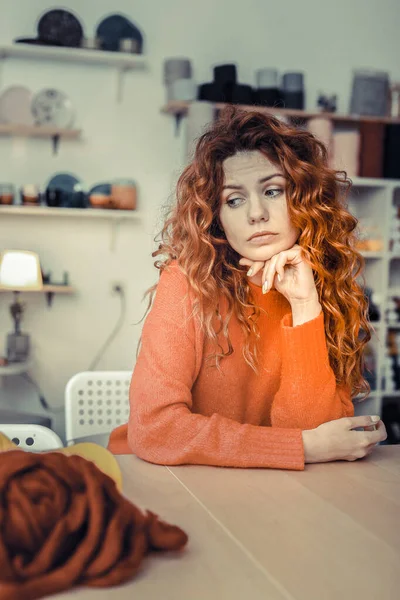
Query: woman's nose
[[257, 210]]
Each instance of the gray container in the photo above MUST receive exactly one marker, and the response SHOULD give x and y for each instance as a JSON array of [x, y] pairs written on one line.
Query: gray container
[[177, 68], [370, 93], [267, 78], [293, 82]]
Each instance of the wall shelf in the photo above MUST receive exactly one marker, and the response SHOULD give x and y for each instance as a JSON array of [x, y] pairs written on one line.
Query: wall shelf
[[88, 213], [15, 368], [180, 109], [113, 216], [48, 289], [34, 131], [41, 132], [121, 61], [371, 255]]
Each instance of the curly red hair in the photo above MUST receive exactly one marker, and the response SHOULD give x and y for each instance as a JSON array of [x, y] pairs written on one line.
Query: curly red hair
[[316, 194]]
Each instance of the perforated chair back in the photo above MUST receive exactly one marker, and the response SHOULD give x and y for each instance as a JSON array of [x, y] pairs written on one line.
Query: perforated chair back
[[95, 403], [34, 438]]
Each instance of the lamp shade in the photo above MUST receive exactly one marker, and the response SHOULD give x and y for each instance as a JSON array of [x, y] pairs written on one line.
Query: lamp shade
[[20, 271]]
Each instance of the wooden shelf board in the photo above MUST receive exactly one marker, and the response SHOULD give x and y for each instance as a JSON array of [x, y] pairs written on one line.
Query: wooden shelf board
[[36, 131], [374, 182], [180, 109], [15, 368], [372, 255], [123, 60], [47, 289], [373, 394], [44, 211]]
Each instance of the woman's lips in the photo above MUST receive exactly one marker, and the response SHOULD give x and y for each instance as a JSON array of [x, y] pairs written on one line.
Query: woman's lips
[[259, 240]]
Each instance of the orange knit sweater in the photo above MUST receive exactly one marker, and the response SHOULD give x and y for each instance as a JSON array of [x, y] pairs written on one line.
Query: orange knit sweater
[[186, 411]]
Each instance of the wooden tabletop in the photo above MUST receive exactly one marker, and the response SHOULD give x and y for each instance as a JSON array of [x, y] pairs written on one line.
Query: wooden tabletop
[[331, 532]]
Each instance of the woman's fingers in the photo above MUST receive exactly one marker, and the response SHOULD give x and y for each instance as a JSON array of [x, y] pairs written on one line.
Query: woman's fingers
[[254, 266], [361, 421], [246, 262], [380, 435], [269, 274], [280, 266]]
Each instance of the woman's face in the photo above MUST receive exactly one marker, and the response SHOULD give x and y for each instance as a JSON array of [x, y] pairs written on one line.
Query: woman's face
[[254, 201]]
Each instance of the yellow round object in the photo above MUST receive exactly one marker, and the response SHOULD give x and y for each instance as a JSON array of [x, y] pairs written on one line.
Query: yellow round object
[[101, 457], [6, 444]]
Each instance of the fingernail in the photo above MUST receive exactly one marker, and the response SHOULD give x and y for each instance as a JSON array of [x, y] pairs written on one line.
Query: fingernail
[[265, 287], [279, 277], [250, 272], [375, 419]]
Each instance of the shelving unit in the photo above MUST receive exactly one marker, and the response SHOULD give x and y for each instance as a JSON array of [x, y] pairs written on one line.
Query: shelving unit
[[372, 199]]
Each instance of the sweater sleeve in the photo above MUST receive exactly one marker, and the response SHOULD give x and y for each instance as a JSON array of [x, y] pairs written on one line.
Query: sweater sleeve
[[162, 428], [308, 395]]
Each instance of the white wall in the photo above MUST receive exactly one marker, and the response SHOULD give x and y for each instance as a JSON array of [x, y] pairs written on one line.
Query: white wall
[[325, 39]]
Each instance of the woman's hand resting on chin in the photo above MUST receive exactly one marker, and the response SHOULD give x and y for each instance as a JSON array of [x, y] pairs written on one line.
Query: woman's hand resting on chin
[[287, 271], [293, 277]]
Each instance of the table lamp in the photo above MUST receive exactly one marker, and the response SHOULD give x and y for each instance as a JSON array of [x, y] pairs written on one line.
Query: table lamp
[[19, 272]]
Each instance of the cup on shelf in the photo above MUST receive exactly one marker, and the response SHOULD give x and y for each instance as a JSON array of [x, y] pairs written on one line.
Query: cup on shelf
[[370, 93], [293, 90], [268, 92], [124, 195], [395, 100], [92, 43], [322, 129], [129, 45], [30, 194], [345, 154], [267, 78], [7, 193], [98, 200], [177, 68], [184, 90]]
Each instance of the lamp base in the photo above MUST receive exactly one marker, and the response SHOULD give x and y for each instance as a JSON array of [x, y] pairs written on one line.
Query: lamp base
[[18, 345]]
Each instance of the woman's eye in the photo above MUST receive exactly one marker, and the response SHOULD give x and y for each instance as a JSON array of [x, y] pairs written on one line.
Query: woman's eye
[[234, 202], [272, 193]]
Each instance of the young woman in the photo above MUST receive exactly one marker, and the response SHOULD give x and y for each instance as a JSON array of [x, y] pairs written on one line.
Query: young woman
[[252, 350]]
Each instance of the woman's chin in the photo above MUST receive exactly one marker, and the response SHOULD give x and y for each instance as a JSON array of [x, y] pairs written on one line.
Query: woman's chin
[[260, 255]]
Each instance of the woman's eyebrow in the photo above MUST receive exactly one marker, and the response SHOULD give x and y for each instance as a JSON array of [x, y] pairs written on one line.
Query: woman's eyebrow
[[264, 179], [233, 186]]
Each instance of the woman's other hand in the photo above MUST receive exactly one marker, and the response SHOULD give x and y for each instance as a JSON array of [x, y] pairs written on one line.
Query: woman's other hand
[[338, 440]]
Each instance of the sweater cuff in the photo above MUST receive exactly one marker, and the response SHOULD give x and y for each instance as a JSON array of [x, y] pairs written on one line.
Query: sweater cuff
[[276, 448], [304, 346]]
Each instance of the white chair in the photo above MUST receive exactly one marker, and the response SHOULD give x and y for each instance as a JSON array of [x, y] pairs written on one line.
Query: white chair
[[95, 403], [34, 438]]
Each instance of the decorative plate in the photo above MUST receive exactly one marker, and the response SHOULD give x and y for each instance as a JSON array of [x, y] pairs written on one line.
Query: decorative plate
[[60, 27], [65, 190], [115, 28], [52, 107], [15, 105]]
